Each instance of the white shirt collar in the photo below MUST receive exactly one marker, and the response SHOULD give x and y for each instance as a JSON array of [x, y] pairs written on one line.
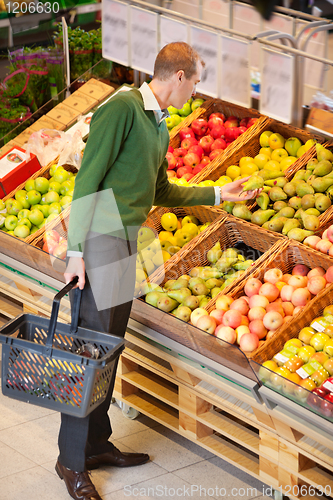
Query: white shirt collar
[[150, 103]]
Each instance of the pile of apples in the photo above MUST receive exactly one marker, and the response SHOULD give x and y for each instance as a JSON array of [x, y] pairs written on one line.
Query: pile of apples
[[308, 362], [54, 244], [265, 306], [203, 141], [324, 243], [178, 115], [38, 203]]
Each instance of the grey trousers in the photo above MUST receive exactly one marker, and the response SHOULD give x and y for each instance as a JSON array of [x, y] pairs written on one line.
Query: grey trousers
[[110, 280]]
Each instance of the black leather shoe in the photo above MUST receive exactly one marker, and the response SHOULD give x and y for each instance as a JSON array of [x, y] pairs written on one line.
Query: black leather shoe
[[116, 458], [78, 484]]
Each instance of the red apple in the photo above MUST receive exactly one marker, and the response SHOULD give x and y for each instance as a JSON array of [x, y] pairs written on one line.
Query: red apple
[[300, 297], [214, 154], [329, 275], [276, 306], [270, 291], [199, 126], [207, 324], [188, 176], [198, 168], [258, 301], [311, 241], [232, 318], [251, 122], [218, 114], [185, 132], [179, 162], [300, 269], [287, 292], [232, 121], [225, 333], [217, 314], [205, 160], [252, 287], [249, 342], [288, 308], [49, 245], [242, 129], [171, 173], [298, 281], [219, 144], [60, 250], [191, 160], [329, 233], [214, 121], [231, 133], [197, 150], [51, 234], [316, 284], [324, 246], [316, 271], [179, 152], [272, 320], [170, 149], [240, 331], [188, 142], [171, 161], [224, 302], [206, 143], [186, 169], [273, 275], [256, 312], [217, 131], [240, 305], [258, 328]]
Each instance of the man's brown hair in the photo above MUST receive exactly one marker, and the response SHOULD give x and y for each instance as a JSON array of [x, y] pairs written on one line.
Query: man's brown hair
[[174, 57]]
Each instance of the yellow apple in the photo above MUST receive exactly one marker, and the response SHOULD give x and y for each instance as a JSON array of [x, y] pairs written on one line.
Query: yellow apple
[[264, 138], [292, 145], [248, 169], [165, 235], [309, 144], [287, 162], [260, 160], [223, 180], [272, 165], [279, 154], [169, 221], [301, 151], [244, 160], [233, 171], [276, 141], [266, 151]]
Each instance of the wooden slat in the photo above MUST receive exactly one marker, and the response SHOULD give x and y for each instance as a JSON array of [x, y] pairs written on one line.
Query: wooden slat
[[160, 388]]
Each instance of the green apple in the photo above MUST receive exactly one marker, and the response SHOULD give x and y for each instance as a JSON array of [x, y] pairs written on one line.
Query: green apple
[[2, 220], [14, 207], [54, 208], [42, 185], [2, 206], [29, 185], [51, 217], [19, 193], [264, 138], [172, 110], [196, 104], [11, 222], [66, 201], [60, 175], [190, 100], [24, 222], [23, 214], [24, 202], [185, 110], [50, 197], [53, 168], [54, 186], [45, 209], [65, 187], [33, 197], [33, 229], [292, 145], [11, 233], [171, 122], [36, 217]]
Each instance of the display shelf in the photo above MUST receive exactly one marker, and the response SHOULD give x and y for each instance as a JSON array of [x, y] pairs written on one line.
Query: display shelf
[[188, 398]]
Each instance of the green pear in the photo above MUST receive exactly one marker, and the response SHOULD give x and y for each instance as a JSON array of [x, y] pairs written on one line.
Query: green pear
[[302, 188], [254, 182], [323, 202], [215, 291], [228, 206], [308, 201], [290, 189], [152, 298], [168, 284], [231, 253], [323, 153], [263, 200], [195, 281], [179, 295], [299, 213], [166, 304], [269, 174], [290, 224], [278, 205], [320, 184], [312, 211], [200, 289], [276, 193], [210, 273], [288, 212], [299, 175], [204, 301], [311, 165], [242, 212], [213, 283], [184, 313], [307, 175], [195, 271], [295, 202], [324, 167], [279, 182], [275, 224], [223, 264], [299, 234], [192, 302], [243, 265], [178, 284], [310, 222], [259, 217], [214, 253], [150, 287]]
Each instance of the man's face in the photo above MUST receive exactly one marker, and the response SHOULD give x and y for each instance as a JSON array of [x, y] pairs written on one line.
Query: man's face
[[186, 88]]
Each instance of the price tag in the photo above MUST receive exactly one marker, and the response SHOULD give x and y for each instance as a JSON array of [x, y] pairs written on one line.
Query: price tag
[[143, 40], [277, 84], [206, 44], [115, 31], [235, 71], [172, 31]]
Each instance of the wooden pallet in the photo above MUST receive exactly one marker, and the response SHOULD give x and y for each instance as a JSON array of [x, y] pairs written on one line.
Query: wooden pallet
[[223, 418]]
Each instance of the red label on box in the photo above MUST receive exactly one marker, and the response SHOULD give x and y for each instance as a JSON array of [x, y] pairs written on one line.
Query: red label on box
[[15, 169]]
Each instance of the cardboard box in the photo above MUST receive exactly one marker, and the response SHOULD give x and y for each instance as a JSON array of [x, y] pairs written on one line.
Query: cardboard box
[[23, 137], [96, 89], [14, 169], [46, 122], [320, 121], [81, 102], [64, 114]]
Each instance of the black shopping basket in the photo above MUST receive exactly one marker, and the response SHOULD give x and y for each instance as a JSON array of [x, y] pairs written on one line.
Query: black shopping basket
[[40, 363]]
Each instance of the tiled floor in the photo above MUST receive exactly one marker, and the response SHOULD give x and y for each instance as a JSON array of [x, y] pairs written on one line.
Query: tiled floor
[[178, 468]]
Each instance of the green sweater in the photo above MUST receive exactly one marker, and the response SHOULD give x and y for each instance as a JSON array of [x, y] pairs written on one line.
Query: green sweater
[[123, 173]]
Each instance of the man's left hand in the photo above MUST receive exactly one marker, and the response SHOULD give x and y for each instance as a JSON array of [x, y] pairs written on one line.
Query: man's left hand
[[234, 191]]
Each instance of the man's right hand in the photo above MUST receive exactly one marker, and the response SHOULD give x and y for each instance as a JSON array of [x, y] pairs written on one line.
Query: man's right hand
[[75, 267]]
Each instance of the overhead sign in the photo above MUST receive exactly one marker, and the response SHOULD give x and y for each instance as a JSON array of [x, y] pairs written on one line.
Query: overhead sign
[[277, 85], [205, 42], [235, 71], [115, 31], [143, 45], [172, 31]]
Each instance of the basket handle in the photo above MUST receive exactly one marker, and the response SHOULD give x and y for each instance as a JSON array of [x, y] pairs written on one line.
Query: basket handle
[[55, 310]]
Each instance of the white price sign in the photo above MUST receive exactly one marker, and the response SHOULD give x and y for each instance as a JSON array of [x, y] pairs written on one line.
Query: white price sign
[[172, 31], [277, 83], [206, 44], [143, 39], [115, 31], [235, 71]]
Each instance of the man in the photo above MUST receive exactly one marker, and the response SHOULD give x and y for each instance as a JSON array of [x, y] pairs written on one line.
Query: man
[[123, 174]]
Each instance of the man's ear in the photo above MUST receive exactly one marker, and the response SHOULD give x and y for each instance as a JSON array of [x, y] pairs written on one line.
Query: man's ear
[[180, 75]]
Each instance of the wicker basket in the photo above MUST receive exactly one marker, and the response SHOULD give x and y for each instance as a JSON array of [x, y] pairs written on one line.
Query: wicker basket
[[285, 259], [250, 146], [229, 232], [59, 224]]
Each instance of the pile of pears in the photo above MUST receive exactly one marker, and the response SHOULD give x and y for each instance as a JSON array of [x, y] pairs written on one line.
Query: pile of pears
[[195, 289], [291, 207]]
